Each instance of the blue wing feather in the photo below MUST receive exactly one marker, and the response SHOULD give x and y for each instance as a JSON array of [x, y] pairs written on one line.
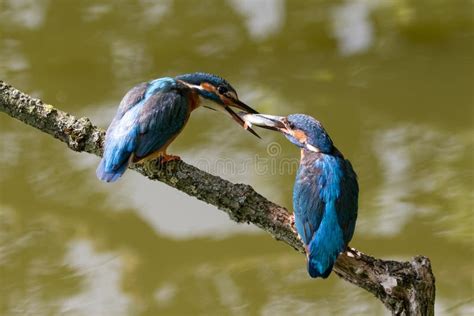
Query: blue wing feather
[[149, 115], [131, 98], [347, 203], [160, 124], [325, 204], [307, 207]]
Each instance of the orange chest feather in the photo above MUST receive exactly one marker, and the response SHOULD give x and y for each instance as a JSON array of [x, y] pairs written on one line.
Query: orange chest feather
[[194, 101]]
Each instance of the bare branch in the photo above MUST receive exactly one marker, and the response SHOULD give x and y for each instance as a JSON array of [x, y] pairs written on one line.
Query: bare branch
[[406, 288]]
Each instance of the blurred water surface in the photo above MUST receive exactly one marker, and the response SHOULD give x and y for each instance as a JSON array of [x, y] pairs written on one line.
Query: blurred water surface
[[390, 80]]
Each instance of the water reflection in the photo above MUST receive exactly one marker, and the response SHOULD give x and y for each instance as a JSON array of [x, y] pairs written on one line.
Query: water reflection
[[353, 27], [26, 13], [101, 277], [417, 162], [177, 215], [128, 59], [263, 18]]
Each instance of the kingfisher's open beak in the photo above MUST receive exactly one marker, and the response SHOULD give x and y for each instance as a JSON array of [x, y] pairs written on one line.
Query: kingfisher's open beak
[[241, 105], [244, 107], [275, 123], [227, 103]]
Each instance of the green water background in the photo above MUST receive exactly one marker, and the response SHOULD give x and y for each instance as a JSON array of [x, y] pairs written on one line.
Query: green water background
[[391, 80]]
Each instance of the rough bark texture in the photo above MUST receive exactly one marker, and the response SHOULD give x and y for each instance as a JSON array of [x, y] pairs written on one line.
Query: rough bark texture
[[406, 288]]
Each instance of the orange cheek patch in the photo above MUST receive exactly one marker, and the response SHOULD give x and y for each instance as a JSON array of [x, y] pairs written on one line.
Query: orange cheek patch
[[300, 136], [208, 87]]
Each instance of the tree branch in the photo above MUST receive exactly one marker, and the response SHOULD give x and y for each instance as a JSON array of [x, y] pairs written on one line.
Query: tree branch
[[406, 288]]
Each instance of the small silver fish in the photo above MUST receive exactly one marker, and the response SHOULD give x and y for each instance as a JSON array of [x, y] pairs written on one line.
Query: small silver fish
[[261, 120]]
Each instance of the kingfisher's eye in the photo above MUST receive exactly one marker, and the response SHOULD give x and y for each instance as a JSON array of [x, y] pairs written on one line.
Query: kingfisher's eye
[[222, 90]]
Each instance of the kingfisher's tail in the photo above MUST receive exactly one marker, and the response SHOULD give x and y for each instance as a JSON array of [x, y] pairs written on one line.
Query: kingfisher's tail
[[319, 268], [108, 175], [325, 246]]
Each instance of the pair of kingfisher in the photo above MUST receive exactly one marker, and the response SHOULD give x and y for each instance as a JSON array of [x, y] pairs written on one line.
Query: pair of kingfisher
[[152, 114]]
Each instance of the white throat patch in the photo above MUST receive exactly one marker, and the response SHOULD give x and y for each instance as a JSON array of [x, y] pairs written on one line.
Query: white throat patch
[[312, 148]]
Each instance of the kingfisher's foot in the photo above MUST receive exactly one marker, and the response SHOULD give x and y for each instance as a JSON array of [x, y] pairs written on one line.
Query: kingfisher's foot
[[292, 223], [155, 164], [167, 158]]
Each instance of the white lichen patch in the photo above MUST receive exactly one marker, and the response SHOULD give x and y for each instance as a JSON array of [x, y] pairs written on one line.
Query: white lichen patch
[[48, 107], [174, 180], [388, 284]]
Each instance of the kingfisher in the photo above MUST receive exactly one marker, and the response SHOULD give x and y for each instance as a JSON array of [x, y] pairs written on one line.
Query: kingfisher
[[325, 193], [152, 114]]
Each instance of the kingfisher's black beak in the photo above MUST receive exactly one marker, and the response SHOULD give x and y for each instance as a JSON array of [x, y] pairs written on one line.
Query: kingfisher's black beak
[[226, 104], [271, 122], [244, 107]]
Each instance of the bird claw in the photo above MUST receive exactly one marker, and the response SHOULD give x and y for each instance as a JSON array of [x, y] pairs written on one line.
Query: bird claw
[[165, 158], [292, 223], [153, 165], [293, 228]]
